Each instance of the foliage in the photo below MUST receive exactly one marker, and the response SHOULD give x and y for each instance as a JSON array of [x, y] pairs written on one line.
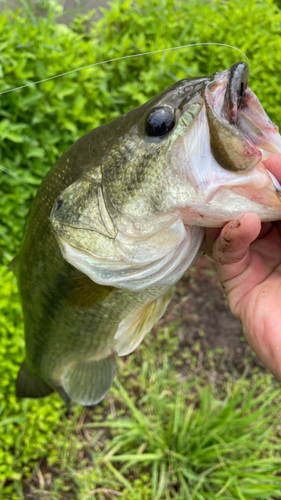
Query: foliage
[[196, 445], [176, 439], [26, 428], [38, 123]]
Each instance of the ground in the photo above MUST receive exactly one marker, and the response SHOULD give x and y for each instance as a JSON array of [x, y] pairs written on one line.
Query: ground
[[205, 319]]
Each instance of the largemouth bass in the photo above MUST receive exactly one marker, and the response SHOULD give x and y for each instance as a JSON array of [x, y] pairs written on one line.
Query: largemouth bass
[[120, 217]]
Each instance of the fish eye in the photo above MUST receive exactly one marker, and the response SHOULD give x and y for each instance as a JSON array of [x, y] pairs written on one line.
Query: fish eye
[[159, 122]]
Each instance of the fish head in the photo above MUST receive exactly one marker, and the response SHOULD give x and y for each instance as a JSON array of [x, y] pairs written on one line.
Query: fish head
[[190, 158], [199, 147], [221, 155]]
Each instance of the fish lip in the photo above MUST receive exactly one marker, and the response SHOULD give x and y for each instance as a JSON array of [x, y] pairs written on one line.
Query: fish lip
[[234, 84], [232, 149], [237, 84]]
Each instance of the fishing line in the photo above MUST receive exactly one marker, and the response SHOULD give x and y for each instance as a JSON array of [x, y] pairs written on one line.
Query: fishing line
[[125, 57], [12, 174]]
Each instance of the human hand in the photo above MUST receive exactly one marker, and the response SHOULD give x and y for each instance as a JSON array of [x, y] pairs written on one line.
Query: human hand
[[247, 255]]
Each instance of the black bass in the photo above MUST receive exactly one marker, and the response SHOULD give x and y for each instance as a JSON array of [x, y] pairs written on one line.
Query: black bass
[[120, 217]]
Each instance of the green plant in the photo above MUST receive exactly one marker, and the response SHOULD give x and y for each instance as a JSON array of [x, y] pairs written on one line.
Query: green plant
[[196, 445], [38, 123]]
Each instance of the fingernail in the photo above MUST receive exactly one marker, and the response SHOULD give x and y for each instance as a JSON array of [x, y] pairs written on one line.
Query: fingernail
[[237, 222]]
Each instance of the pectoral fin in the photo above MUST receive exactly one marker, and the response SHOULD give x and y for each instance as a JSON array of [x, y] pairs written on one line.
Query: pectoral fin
[[88, 382], [30, 386], [133, 328]]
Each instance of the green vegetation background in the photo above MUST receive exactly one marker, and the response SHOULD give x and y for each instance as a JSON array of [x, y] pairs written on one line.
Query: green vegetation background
[[37, 124]]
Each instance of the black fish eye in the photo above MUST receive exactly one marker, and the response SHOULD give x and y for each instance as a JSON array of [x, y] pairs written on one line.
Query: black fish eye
[[159, 122]]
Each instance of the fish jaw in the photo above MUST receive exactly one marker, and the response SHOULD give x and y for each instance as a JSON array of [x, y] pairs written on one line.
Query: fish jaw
[[209, 194], [231, 148], [253, 121]]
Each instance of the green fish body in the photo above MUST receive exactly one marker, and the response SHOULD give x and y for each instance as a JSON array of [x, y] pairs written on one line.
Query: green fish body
[[119, 219]]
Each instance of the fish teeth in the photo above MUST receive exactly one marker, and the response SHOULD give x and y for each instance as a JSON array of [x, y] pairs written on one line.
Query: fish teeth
[[265, 154]]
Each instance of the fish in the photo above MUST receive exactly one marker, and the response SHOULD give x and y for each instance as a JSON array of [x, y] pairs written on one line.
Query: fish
[[121, 216]]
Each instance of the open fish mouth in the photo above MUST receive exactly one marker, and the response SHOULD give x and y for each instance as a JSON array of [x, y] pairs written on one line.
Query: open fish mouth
[[242, 136]]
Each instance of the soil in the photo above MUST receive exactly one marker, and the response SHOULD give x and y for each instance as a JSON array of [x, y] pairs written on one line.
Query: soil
[[206, 321]]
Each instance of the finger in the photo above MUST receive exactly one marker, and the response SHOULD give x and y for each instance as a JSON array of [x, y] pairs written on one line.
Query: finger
[[232, 245], [211, 234], [261, 325], [273, 164], [242, 261], [266, 227]]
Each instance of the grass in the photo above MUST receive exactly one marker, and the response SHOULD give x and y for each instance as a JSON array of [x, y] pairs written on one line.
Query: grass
[[210, 448], [163, 433], [177, 439]]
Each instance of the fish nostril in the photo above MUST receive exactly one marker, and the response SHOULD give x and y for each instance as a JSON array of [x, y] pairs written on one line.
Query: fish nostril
[[59, 204]]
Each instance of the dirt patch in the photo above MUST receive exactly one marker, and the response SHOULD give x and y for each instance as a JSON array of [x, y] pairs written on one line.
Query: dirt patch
[[201, 301], [206, 323]]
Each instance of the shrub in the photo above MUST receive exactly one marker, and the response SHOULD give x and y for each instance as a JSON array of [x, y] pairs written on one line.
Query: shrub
[[38, 123]]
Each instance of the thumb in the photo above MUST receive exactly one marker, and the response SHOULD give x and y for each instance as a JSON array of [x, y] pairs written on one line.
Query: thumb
[[231, 249]]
